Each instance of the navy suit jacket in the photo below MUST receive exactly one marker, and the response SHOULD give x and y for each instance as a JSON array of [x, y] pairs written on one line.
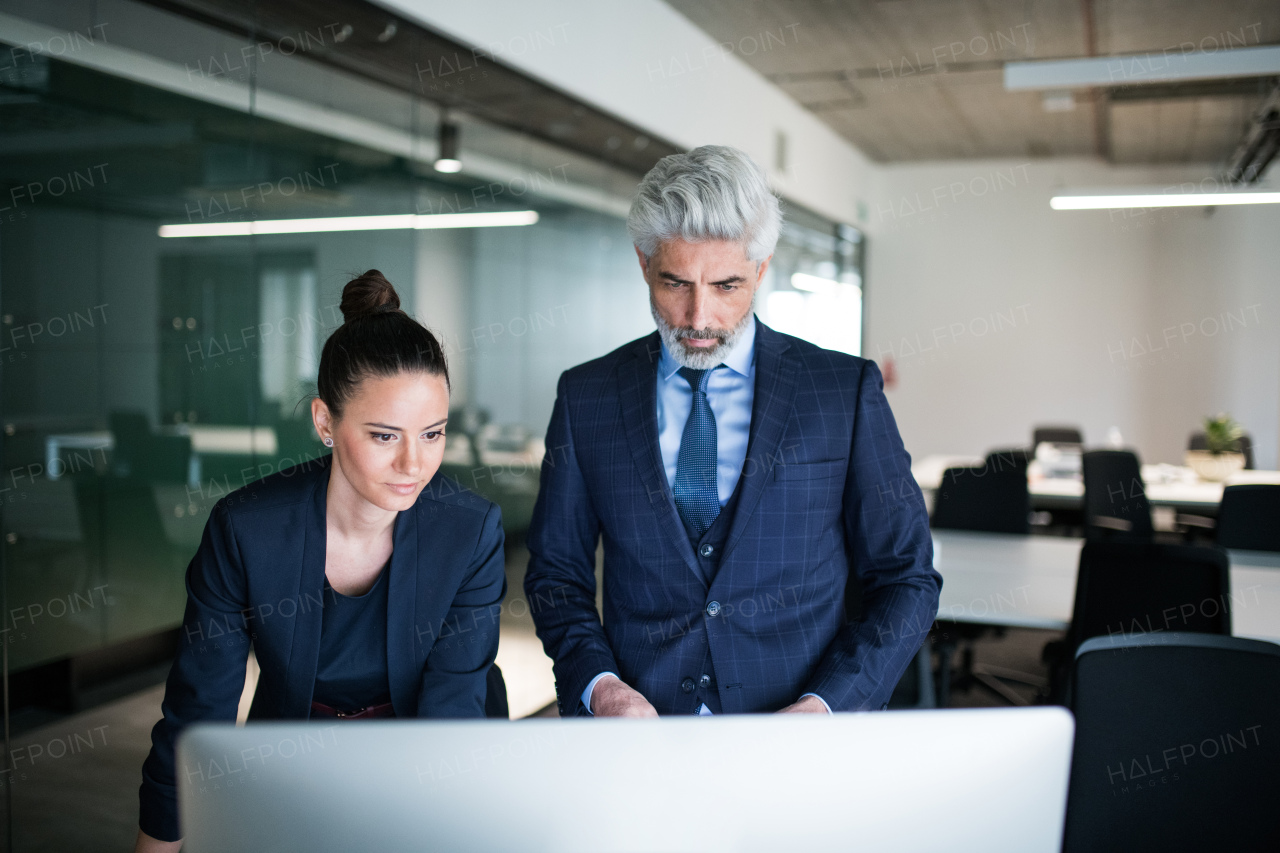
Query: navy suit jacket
[[258, 578], [826, 495]]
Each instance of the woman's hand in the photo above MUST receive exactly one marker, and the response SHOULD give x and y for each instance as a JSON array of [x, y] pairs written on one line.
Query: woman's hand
[[147, 844]]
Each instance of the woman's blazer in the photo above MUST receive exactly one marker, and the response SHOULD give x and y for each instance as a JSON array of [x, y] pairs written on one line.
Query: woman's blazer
[[258, 578]]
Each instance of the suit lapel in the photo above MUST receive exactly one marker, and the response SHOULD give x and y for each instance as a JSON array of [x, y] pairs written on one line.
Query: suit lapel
[[304, 652], [777, 369], [402, 615], [638, 390]]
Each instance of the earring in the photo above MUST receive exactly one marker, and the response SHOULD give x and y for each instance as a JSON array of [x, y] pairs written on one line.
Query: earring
[[328, 442]]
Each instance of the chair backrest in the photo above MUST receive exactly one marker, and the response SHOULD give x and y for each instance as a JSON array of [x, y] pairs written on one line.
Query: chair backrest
[[1115, 499], [1249, 518], [1175, 745], [993, 498], [1141, 587], [1055, 435], [1199, 441]]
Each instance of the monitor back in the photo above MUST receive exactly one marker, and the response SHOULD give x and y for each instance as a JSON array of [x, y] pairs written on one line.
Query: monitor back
[[982, 780]]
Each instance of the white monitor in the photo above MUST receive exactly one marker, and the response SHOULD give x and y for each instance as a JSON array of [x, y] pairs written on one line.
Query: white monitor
[[984, 780]]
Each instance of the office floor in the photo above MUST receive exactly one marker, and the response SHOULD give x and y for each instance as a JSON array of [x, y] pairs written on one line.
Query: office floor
[[75, 785]]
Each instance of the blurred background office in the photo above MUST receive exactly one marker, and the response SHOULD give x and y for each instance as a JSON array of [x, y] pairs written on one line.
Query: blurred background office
[[185, 185]]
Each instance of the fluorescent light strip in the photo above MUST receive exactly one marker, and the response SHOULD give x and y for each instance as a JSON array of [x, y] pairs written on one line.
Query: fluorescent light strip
[[493, 219], [1114, 202]]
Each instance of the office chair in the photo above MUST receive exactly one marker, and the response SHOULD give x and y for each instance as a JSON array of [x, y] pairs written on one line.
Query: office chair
[[1141, 587], [1249, 518], [495, 700], [1055, 435], [1115, 498], [992, 497], [1175, 745], [915, 688], [1198, 441]]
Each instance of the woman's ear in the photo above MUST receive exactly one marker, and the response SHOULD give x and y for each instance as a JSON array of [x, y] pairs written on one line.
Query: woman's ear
[[323, 421]]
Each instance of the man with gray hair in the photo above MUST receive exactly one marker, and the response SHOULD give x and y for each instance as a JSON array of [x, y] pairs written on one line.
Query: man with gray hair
[[740, 478]]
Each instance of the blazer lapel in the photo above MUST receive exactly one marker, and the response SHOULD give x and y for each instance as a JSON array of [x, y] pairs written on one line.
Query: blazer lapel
[[304, 652], [638, 390], [776, 374], [403, 669]]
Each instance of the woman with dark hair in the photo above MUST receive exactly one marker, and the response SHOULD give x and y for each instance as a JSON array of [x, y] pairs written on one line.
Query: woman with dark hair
[[344, 573]]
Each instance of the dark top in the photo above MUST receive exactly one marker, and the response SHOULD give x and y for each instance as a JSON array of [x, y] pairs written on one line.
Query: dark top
[[352, 670], [258, 577]]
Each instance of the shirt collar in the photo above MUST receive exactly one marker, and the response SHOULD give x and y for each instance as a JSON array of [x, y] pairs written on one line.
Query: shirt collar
[[739, 359]]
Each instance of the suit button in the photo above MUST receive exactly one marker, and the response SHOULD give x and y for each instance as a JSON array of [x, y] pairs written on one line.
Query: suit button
[[687, 685], [704, 681], [713, 608], [707, 550]]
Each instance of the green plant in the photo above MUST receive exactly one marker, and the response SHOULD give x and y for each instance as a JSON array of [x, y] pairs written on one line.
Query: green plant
[[1222, 434]]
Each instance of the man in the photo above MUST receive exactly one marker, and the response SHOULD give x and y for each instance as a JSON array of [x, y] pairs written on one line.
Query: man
[[739, 477]]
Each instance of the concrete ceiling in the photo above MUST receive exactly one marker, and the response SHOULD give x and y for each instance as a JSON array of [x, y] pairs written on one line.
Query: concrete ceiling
[[922, 79]]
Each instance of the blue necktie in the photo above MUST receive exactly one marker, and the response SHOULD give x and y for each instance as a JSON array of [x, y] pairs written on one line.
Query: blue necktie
[[697, 497]]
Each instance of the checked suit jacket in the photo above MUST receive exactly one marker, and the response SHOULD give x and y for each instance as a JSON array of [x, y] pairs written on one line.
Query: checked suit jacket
[[826, 498]]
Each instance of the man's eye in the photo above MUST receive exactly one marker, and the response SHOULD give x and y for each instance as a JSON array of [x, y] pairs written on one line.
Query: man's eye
[[728, 288]]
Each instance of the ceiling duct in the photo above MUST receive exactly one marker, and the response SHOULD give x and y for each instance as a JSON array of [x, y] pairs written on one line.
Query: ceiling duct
[[1260, 143]]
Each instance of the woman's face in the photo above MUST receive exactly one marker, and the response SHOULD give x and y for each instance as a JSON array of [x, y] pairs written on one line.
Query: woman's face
[[390, 439]]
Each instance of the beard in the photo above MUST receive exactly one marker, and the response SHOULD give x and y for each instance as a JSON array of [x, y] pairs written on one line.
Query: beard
[[700, 358]]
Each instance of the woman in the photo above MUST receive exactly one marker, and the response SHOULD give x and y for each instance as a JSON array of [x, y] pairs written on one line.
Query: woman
[[344, 573]]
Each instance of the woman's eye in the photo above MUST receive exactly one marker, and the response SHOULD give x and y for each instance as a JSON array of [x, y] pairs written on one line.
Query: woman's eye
[[383, 437], [433, 435]]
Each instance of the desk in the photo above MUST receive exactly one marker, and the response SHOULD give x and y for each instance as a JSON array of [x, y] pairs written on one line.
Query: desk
[[205, 440], [1165, 485], [1030, 582]]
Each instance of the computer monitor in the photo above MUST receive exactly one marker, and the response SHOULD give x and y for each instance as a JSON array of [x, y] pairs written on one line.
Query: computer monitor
[[984, 780]]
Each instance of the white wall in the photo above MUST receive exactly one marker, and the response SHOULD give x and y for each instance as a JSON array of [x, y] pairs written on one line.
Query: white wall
[[1001, 313]]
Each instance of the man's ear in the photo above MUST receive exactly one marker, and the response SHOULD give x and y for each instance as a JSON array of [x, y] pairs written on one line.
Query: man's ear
[[760, 271], [644, 263]]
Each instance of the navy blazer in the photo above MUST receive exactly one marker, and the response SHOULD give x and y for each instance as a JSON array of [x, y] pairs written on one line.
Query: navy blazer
[[826, 493], [258, 578]]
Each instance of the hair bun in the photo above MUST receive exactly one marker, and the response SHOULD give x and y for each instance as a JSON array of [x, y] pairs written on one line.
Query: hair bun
[[367, 294]]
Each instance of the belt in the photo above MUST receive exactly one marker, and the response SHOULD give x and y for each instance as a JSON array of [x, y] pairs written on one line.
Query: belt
[[383, 710]]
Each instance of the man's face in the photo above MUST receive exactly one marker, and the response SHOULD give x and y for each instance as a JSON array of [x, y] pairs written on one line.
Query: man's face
[[702, 295]]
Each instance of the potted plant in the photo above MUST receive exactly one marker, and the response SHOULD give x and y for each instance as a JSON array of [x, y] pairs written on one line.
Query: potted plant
[[1222, 456]]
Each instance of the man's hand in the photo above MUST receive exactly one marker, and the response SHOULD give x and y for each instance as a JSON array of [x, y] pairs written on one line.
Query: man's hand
[[611, 697], [807, 705]]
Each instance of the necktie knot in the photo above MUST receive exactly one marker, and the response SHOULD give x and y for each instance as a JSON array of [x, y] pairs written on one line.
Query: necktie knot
[[697, 379]]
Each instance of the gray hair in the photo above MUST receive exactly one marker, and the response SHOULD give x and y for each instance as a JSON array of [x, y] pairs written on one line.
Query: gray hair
[[712, 193]]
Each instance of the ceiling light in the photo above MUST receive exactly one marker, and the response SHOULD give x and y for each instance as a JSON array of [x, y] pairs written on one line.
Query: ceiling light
[[1119, 201], [447, 158], [494, 219]]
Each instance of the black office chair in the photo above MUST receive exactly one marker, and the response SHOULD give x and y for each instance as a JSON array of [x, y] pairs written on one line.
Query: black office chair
[[1115, 499], [1055, 435], [495, 700], [1174, 745], [1199, 441], [915, 688], [993, 497], [1249, 518], [1141, 587]]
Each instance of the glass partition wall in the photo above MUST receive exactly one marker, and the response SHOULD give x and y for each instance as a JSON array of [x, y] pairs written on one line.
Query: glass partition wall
[[155, 355]]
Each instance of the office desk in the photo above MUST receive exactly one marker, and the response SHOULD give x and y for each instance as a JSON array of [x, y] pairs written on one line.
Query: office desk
[[1030, 582], [1165, 485]]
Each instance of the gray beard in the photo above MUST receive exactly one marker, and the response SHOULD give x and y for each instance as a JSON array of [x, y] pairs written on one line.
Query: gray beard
[[700, 359]]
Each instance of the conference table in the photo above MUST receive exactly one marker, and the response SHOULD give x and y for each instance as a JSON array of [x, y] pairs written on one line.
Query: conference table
[[1165, 485], [1026, 581]]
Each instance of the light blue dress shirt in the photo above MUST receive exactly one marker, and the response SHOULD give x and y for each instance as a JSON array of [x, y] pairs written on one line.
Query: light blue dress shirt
[[731, 391]]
